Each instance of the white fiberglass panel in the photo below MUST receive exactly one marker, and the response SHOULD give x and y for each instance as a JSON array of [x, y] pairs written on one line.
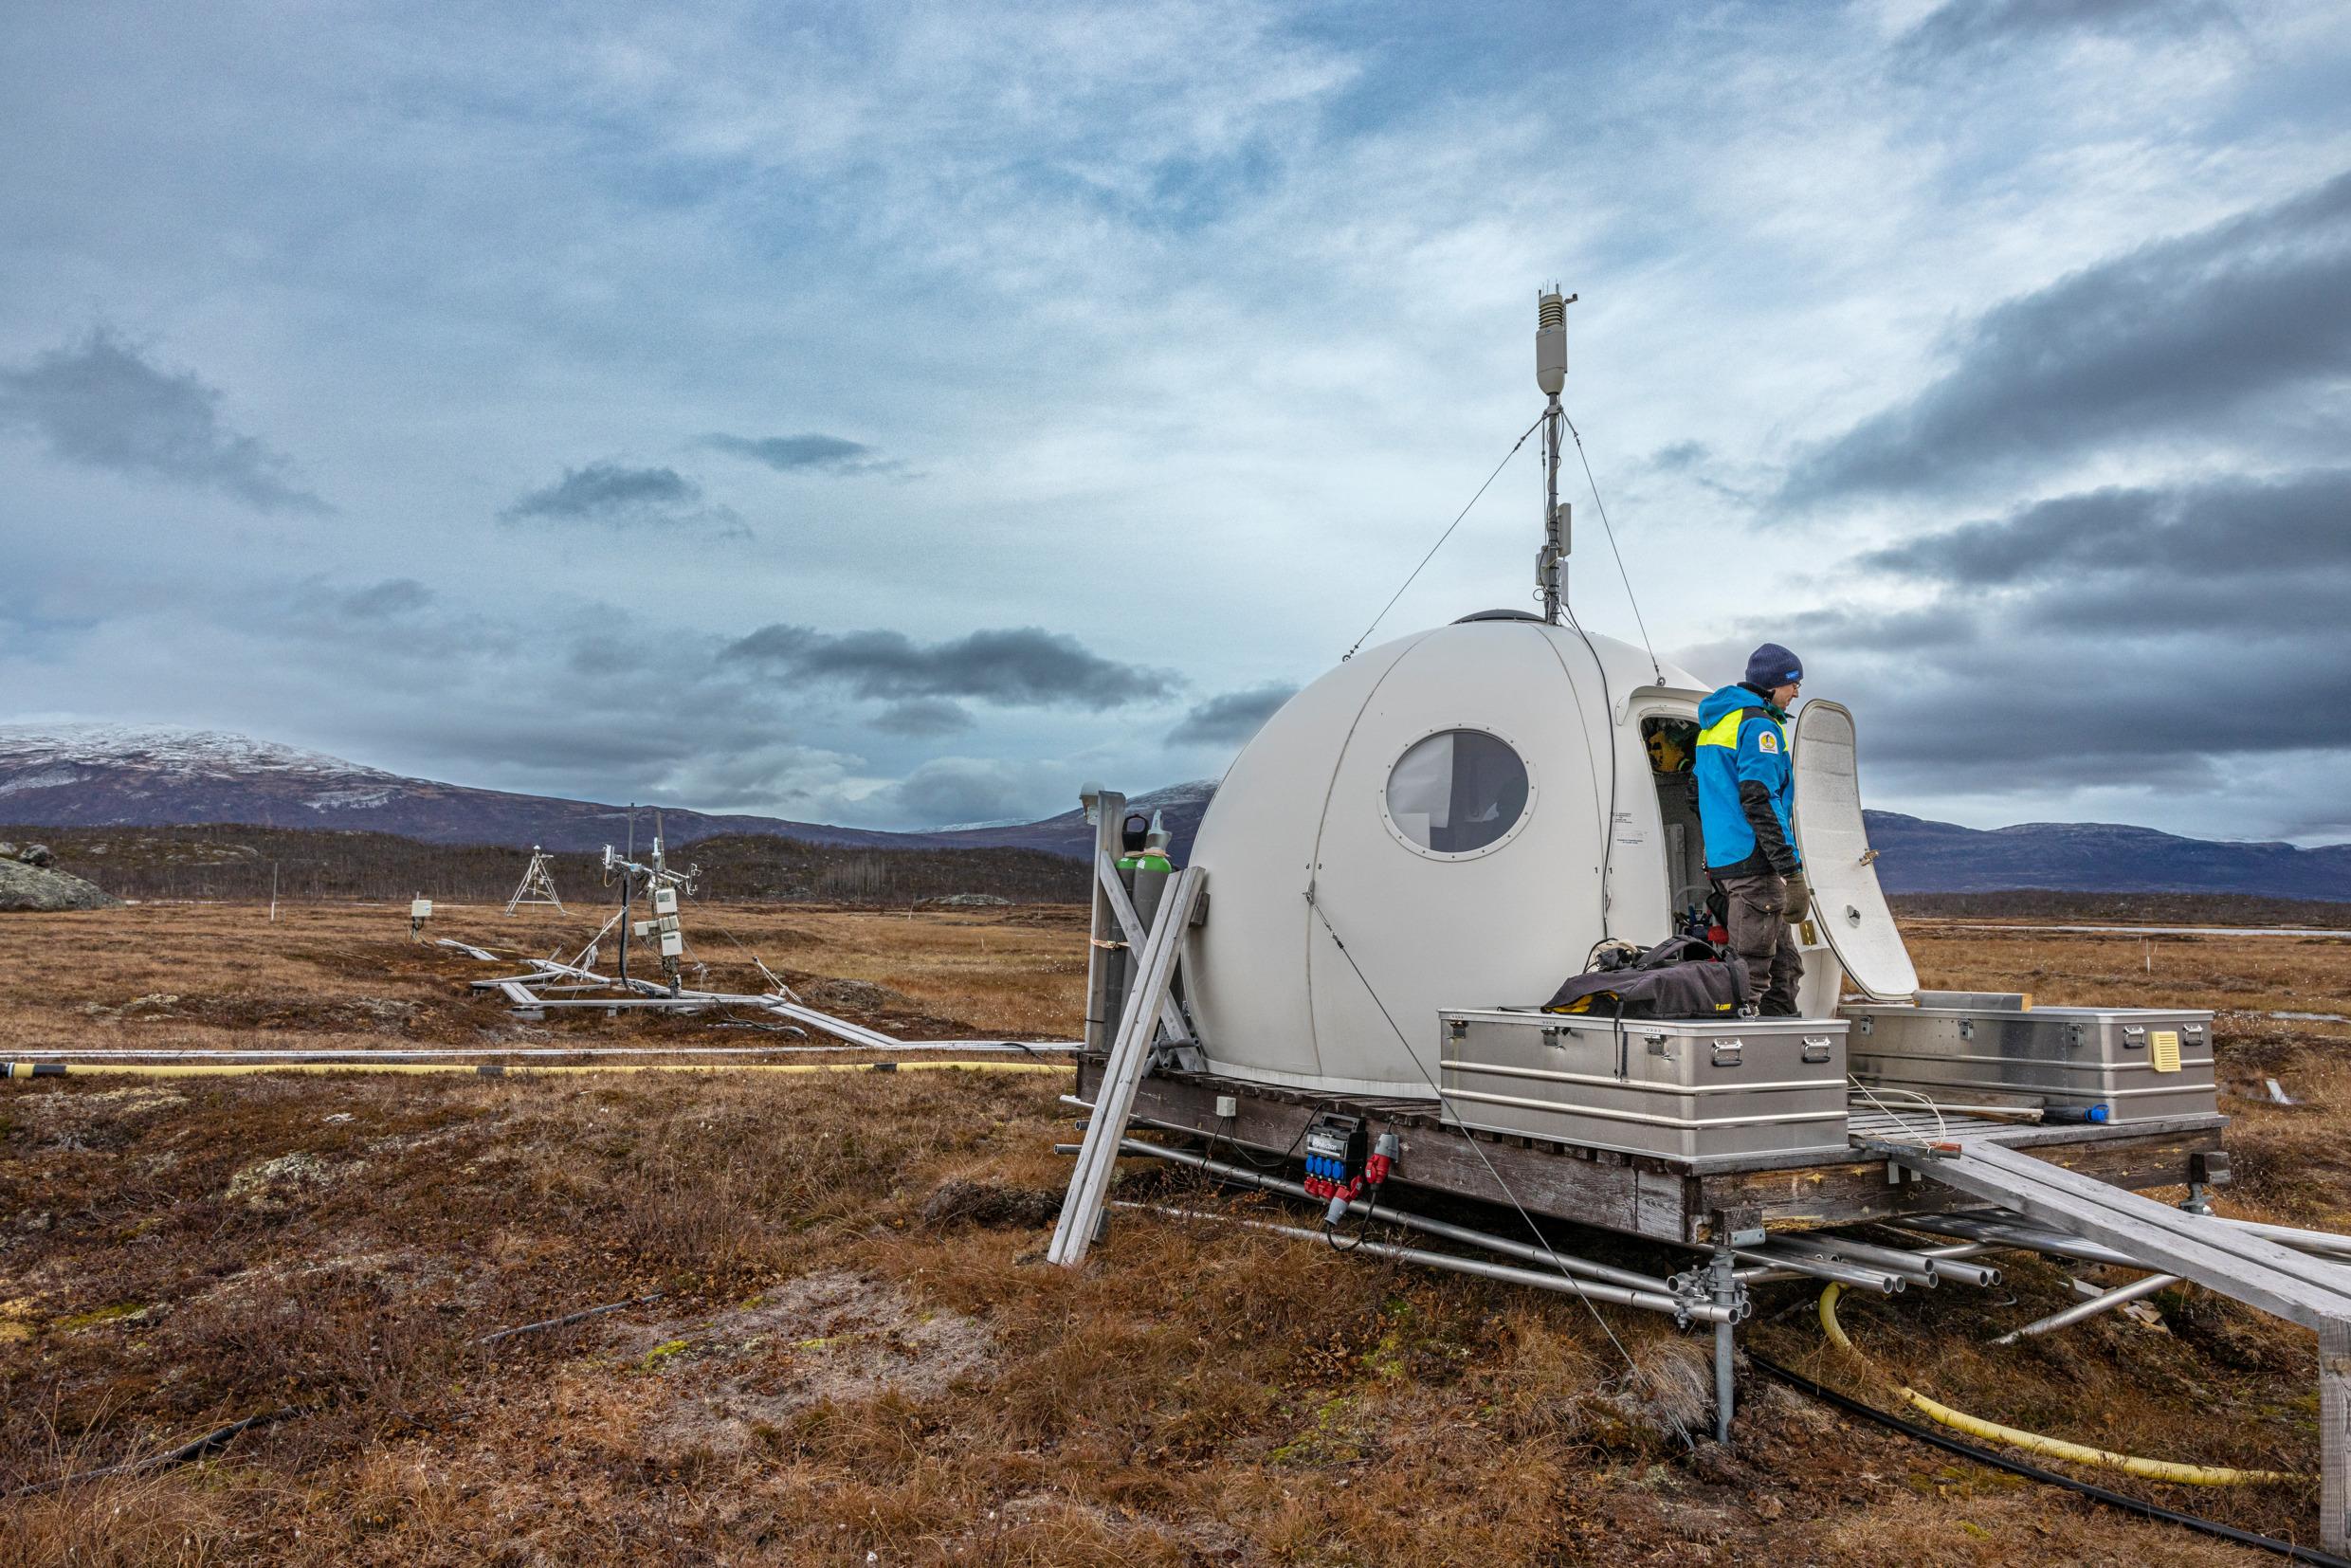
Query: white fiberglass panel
[[1848, 906]]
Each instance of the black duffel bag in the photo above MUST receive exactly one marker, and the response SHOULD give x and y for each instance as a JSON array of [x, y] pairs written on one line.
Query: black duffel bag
[[1680, 978]]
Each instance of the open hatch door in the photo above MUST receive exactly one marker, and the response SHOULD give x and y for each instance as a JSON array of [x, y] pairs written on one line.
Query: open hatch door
[[1848, 906]]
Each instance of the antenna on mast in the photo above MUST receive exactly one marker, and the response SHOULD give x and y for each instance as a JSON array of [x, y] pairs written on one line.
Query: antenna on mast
[[1551, 375]]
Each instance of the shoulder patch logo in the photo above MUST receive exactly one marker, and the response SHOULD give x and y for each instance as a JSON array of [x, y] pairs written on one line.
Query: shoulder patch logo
[[1767, 742]]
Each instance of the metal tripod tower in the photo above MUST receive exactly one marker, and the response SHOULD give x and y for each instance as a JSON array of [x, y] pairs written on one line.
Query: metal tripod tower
[[537, 885]]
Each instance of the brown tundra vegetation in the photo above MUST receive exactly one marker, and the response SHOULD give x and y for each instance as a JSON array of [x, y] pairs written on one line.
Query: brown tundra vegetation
[[840, 1346]]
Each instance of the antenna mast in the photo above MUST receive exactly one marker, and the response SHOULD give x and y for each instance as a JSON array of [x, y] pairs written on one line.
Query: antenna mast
[[1551, 375]]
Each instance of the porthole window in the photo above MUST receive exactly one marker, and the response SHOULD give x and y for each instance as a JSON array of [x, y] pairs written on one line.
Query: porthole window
[[1457, 792]]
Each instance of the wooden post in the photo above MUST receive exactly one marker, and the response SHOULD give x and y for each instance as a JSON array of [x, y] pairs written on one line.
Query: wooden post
[[2335, 1434], [1101, 964]]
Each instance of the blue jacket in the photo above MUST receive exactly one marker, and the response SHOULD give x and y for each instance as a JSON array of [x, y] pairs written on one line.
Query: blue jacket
[[1747, 786]]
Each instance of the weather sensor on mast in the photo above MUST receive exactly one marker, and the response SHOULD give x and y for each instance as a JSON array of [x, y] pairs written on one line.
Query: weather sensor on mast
[[1551, 375]]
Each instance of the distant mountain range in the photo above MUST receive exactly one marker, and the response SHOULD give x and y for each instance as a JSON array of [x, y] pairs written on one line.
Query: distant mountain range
[[1918, 856], [109, 776]]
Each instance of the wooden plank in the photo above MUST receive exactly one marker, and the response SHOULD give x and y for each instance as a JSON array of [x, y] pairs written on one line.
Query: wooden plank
[[1129, 1060], [1844, 1193], [2246, 1268], [872, 1039]]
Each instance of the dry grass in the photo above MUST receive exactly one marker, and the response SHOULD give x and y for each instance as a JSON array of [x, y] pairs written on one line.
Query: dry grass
[[856, 1350], [195, 976]]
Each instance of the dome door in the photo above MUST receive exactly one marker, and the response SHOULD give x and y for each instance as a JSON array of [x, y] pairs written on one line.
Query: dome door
[[1848, 906]]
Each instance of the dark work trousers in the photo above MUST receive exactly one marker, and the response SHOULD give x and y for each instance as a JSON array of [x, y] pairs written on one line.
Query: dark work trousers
[[1761, 934]]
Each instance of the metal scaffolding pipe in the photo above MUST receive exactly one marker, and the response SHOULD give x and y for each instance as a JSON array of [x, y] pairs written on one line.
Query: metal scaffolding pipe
[[1899, 1260], [2106, 1301], [1775, 1267], [2023, 1237], [1567, 1262], [1648, 1301], [2320, 1243], [1913, 1270]]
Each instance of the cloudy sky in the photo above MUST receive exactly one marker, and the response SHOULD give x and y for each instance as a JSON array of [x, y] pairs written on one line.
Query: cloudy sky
[[896, 415]]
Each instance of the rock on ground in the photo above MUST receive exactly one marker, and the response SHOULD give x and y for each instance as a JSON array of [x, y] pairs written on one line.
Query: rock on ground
[[29, 887]]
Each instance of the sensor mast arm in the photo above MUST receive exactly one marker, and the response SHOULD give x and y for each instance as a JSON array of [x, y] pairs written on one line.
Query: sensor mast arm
[[1551, 376]]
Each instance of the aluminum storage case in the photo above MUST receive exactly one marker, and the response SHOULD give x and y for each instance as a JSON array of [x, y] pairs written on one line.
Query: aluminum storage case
[[2141, 1063], [1696, 1090]]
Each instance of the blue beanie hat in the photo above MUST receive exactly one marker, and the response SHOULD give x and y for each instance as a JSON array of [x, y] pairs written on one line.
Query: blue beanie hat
[[1773, 665]]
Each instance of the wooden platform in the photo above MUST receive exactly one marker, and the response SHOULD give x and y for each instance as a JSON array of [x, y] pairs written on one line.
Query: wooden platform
[[1664, 1199]]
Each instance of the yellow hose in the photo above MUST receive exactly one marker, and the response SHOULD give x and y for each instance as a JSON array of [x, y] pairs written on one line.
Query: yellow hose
[[2033, 1442]]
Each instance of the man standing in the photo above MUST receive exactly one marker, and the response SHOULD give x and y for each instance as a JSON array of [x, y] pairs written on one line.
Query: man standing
[[1745, 793]]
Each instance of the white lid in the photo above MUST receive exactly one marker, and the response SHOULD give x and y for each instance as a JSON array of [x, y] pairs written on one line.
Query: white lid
[[1848, 906]]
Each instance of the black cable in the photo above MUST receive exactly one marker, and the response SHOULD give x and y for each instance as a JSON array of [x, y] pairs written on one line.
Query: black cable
[[1441, 538], [2033, 1472], [1330, 1232], [1608, 829], [1241, 1152]]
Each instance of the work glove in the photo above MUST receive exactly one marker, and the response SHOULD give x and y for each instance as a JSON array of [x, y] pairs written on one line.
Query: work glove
[[1799, 906]]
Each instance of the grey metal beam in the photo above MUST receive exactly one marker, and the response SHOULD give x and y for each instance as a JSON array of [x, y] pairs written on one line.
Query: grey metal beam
[[2106, 1301], [1107, 873], [1130, 1058], [1567, 1262], [1698, 1311], [1779, 1265], [2021, 1238], [1896, 1258]]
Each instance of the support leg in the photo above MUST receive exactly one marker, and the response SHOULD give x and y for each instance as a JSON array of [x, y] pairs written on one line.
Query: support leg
[[1726, 1294], [2106, 1301], [2335, 1434]]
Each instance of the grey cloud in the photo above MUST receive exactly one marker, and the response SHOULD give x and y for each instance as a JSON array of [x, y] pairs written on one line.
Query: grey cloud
[[1230, 718], [812, 453], [2180, 334], [1974, 27], [1018, 665], [2123, 638], [103, 405], [922, 717], [608, 496], [2223, 528]]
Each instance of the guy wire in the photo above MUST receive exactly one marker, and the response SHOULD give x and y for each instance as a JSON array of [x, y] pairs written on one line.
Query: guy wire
[[1441, 538], [1533, 1228], [1610, 529]]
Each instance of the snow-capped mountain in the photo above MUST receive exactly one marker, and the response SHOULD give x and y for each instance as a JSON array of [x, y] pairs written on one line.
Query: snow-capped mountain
[[90, 775], [169, 749]]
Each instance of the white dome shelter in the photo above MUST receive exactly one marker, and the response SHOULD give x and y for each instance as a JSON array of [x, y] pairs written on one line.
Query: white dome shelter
[[1441, 805]]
